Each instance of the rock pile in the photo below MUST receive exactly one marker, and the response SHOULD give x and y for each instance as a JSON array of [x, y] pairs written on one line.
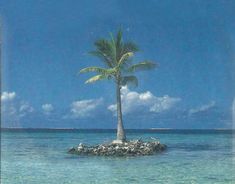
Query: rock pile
[[129, 148]]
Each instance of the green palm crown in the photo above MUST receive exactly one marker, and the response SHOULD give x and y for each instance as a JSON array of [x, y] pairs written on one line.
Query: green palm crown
[[118, 59]]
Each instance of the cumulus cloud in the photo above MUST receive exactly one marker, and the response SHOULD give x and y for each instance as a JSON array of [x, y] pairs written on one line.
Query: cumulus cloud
[[144, 102], [7, 96], [47, 108], [13, 109], [202, 108], [85, 108]]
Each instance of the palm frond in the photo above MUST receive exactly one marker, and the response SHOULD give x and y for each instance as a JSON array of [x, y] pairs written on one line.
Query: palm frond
[[119, 45], [103, 46], [103, 71], [114, 49], [145, 65], [119, 38], [130, 47], [92, 69], [105, 58], [125, 57], [106, 48], [96, 78], [129, 80]]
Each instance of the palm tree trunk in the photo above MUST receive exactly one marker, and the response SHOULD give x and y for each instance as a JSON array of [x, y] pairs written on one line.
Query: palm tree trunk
[[120, 129]]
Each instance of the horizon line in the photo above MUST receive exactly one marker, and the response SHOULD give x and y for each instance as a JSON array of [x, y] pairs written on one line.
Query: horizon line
[[21, 128]]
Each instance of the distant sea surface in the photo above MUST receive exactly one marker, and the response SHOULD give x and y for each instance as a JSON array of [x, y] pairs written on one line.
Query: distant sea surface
[[40, 156]]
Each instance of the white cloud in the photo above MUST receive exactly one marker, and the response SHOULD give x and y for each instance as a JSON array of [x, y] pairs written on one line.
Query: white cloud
[[133, 101], [24, 109], [7, 96], [47, 108], [164, 103], [13, 109], [202, 108], [85, 108]]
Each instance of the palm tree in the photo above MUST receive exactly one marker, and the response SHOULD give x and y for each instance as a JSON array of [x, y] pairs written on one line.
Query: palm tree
[[119, 67]]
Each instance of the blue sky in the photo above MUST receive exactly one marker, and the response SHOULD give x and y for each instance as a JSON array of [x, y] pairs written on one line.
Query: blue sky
[[45, 44]]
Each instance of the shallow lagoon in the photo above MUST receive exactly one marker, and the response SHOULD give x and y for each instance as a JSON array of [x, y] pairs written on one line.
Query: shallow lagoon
[[192, 157]]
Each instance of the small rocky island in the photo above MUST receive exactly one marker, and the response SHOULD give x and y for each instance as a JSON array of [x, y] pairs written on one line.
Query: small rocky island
[[127, 148]]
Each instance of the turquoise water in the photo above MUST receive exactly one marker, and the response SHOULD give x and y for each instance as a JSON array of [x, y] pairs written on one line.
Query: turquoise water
[[37, 157]]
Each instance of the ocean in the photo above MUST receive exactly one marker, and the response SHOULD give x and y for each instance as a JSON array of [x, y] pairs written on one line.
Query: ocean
[[193, 156]]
